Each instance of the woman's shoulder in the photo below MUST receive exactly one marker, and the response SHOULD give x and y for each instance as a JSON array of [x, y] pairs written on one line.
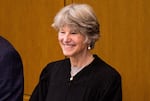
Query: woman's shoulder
[[52, 67], [56, 64], [105, 70]]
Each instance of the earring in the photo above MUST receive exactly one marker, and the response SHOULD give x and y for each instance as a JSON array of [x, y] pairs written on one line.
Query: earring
[[89, 47]]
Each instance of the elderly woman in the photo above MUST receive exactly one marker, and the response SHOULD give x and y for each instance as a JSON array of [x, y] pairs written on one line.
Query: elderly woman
[[81, 76]]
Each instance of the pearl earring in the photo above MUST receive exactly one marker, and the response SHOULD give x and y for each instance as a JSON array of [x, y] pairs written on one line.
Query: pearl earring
[[89, 47]]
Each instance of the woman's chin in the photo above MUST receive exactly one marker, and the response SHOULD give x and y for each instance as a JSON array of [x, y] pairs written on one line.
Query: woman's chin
[[67, 54]]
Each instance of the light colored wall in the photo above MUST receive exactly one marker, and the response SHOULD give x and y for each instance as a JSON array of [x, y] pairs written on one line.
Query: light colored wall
[[124, 39], [27, 24], [125, 42]]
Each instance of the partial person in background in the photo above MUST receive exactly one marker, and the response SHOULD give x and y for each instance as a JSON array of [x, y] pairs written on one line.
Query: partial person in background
[[82, 76], [11, 73]]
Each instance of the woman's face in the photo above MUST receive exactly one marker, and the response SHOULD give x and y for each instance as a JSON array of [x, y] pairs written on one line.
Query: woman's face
[[72, 43]]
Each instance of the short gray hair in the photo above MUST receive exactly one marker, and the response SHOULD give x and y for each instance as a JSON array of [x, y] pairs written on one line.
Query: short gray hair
[[81, 18]]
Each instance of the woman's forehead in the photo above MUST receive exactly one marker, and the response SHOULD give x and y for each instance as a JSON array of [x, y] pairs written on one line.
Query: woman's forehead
[[69, 27]]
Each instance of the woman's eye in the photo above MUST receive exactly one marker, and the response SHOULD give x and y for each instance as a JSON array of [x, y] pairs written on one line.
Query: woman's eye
[[73, 33], [62, 32]]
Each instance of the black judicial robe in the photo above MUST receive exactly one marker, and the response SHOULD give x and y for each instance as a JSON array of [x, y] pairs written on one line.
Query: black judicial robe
[[96, 82]]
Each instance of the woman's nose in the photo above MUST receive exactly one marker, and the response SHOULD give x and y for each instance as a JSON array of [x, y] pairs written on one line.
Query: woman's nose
[[67, 38]]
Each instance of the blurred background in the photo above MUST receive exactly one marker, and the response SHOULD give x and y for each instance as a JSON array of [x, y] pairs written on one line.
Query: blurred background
[[124, 42]]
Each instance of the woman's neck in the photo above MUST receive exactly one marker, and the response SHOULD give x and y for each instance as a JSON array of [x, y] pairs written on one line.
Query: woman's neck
[[82, 60], [77, 64]]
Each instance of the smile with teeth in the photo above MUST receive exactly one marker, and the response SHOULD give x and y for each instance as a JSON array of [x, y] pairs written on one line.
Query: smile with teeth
[[69, 45]]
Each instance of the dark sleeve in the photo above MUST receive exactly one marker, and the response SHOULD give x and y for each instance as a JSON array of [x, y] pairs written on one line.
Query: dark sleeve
[[113, 92], [40, 91], [11, 75]]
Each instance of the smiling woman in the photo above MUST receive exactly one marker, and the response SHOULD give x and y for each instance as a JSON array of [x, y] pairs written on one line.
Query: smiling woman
[[72, 43], [82, 76]]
